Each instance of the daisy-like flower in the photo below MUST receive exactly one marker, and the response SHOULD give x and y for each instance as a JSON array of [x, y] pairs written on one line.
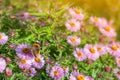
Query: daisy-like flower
[[114, 49], [23, 15], [116, 71], [31, 72], [79, 54], [24, 64], [73, 25], [118, 61], [38, 62], [98, 22], [108, 31], [73, 40], [78, 76], [8, 71], [102, 49], [91, 52], [57, 72], [76, 13], [2, 65], [24, 51], [3, 38]]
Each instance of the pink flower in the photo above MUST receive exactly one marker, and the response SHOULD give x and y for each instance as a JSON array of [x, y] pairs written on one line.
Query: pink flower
[[114, 49], [91, 52], [3, 38], [24, 64], [79, 76], [2, 65], [57, 72], [99, 22], [73, 25], [24, 51], [79, 54], [108, 31], [73, 40], [38, 62], [8, 72], [76, 13], [101, 49]]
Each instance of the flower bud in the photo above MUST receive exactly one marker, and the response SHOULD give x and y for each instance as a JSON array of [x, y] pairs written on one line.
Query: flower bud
[[8, 71]]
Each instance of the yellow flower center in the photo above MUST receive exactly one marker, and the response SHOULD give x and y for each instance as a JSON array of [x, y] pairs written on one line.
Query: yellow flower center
[[96, 19], [26, 50], [79, 54], [72, 24], [114, 48], [37, 60], [107, 29], [73, 40], [77, 11], [80, 77], [0, 36], [23, 61], [119, 61], [92, 50], [56, 73], [99, 48]]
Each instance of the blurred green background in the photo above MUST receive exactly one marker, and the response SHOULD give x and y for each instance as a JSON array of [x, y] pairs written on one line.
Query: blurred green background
[[109, 9]]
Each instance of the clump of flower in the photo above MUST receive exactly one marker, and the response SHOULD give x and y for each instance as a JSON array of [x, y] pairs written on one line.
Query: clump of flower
[[29, 59], [104, 26]]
